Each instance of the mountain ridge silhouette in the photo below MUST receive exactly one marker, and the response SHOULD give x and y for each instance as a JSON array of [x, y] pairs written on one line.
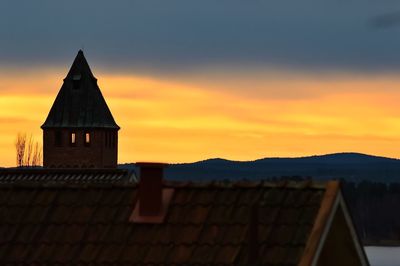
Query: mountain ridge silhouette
[[350, 166]]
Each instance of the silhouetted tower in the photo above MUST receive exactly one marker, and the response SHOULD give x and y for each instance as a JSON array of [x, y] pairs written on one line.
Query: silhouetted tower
[[80, 131]]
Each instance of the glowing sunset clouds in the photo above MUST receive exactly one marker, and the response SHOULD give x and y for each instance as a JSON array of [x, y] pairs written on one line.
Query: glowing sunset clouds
[[245, 117]]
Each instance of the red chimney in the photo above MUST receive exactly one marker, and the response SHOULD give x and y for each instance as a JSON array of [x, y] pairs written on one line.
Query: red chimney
[[150, 188], [153, 200]]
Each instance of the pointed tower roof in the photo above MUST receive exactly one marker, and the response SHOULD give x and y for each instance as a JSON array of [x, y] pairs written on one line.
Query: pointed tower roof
[[79, 103]]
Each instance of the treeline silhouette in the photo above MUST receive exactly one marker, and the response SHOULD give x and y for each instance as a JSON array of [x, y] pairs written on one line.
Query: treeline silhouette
[[374, 207]]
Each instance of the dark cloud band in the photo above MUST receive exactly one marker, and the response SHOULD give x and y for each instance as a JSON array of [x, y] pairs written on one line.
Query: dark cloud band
[[180, 35]]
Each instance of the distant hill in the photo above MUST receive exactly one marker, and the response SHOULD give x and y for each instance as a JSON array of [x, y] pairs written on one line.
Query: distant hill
[[350, 166]]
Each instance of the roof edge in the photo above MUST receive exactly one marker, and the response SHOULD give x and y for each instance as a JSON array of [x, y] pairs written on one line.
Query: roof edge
[[81, 127], [40, 170], [167, 184], [323, 216]]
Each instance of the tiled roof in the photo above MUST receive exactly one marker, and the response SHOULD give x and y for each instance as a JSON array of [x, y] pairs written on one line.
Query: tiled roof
[[29, 175], [79, 102], [206, 224]]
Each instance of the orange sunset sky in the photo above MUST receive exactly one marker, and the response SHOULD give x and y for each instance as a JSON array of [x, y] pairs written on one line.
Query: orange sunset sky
[[191, 80], [239, 116]]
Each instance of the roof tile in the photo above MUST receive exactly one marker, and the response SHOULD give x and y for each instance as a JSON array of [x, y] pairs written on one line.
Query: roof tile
[[248, 196], [268, 214], [89, 252], [204, 254], [227, 254], [110, 253], [221, 214], [177, 254], [15, 253], [25, 233], [226, 197], [62, 253], [135, 253]]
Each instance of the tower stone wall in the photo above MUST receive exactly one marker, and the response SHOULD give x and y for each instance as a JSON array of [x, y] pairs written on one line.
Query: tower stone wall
[[100, 152]]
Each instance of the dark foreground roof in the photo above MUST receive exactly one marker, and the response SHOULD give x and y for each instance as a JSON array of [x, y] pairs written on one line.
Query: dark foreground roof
[[65, 176], [206, 224], [79, 102]]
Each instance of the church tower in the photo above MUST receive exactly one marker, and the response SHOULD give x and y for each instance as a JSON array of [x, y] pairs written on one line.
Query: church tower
[[80, 131]]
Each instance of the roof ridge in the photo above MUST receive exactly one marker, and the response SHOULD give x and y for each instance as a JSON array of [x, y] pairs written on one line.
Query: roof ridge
[[327, 204]]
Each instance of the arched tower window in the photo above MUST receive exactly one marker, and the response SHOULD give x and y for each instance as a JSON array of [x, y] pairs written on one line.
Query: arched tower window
[[87, 138], [73, 139]]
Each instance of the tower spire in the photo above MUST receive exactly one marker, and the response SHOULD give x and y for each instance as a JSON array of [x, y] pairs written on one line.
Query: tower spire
[[78, 117]]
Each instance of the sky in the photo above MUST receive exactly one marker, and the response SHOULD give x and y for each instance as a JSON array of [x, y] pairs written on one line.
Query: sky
[[191, 80]]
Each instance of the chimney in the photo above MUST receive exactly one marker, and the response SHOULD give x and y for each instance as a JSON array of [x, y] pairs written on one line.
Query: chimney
[[153, 200], [150, 188]]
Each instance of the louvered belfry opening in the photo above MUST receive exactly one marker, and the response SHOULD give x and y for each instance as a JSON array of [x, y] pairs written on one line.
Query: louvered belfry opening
[[80, 131]]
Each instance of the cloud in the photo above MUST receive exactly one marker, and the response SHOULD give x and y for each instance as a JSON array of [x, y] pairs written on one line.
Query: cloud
[[181, 35]]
